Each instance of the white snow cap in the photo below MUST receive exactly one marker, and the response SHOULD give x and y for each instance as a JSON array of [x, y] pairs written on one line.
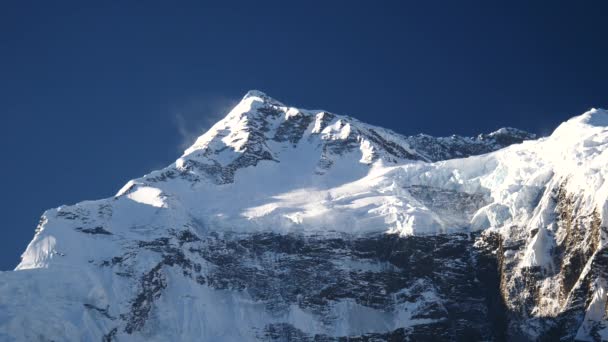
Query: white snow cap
[[303, 186]]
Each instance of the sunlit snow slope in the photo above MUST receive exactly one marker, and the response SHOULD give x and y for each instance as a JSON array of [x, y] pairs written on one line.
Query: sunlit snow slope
[[158, 262]]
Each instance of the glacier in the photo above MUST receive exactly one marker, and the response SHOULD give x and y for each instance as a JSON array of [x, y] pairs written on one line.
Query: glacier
[[286, 224]]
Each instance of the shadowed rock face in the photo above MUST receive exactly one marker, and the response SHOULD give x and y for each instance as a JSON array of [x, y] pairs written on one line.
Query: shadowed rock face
[[549, 303], [451, 287], [412, 288], [418, 288]]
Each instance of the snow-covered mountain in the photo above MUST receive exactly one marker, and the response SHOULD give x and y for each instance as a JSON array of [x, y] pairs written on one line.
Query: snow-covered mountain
[[286, 224]]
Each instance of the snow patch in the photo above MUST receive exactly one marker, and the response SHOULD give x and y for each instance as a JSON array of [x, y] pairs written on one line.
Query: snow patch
[[148, 195]]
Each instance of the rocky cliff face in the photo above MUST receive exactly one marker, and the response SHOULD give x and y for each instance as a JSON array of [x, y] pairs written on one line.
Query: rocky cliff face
[[563, 299], [284, 224]]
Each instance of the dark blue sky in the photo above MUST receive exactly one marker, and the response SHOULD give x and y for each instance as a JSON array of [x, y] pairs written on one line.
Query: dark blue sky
[[91, 97]]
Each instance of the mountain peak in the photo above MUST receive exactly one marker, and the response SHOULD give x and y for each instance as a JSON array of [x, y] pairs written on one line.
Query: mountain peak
[[582, 127], [257, 95], [262, 129], [594, 117]]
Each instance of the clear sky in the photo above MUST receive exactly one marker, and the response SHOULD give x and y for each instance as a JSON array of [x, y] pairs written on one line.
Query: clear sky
[[94, 95]]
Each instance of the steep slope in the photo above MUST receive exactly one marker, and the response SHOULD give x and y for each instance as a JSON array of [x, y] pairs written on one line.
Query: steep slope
[[288, 224]]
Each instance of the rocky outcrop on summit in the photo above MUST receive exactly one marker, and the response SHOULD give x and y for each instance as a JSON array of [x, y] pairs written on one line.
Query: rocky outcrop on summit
[[436, 149], [285, 224]]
